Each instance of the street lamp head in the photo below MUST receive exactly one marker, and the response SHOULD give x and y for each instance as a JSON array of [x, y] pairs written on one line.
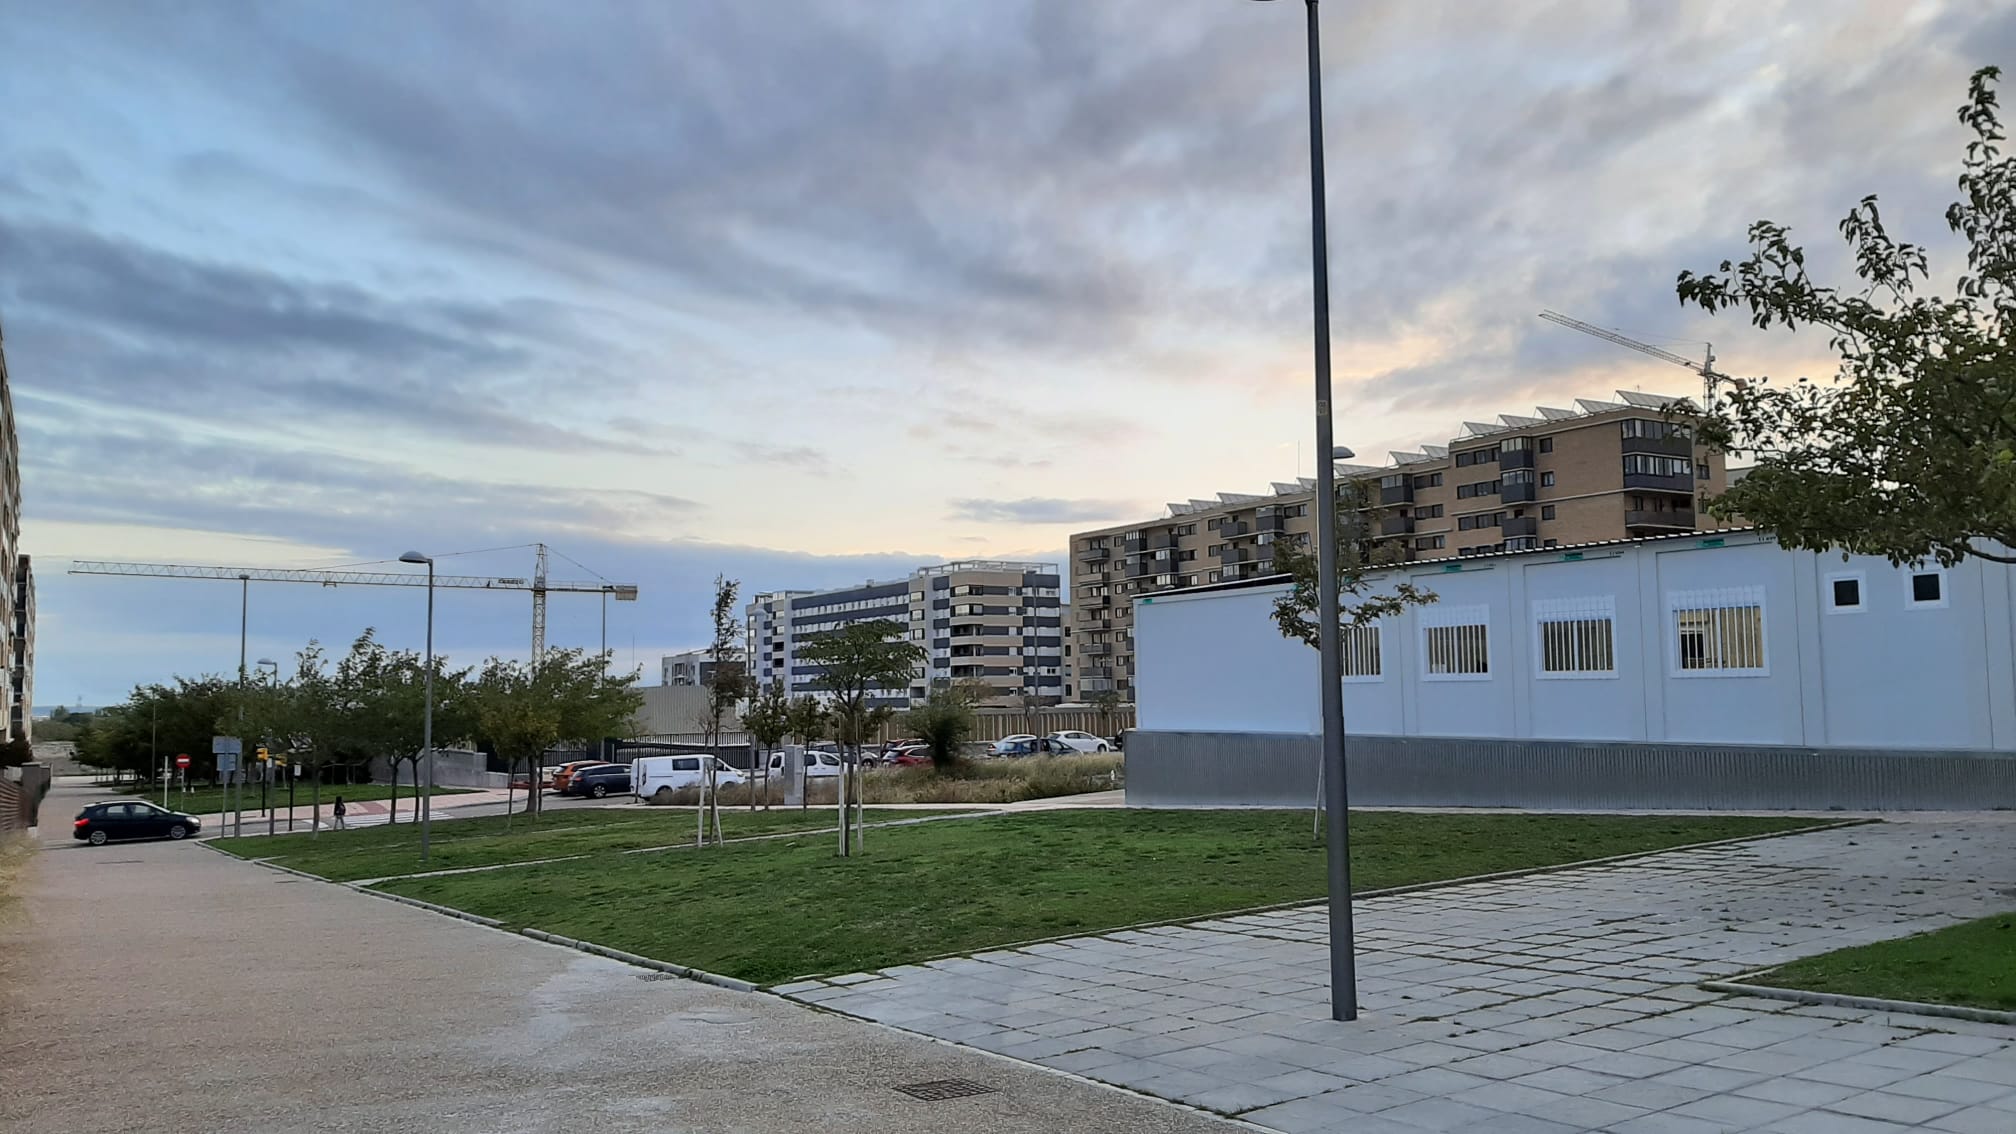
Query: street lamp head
[[1342, 453], [415, 557], [266, 661]]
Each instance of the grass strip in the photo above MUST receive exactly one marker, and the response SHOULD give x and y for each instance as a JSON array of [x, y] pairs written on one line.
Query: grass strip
[[773, 911], [1971, 965]]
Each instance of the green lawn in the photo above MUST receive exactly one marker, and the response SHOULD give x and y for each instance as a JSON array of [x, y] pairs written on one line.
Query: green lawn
[[379, 852], [203, 799], [769, 912], [1971, 964]]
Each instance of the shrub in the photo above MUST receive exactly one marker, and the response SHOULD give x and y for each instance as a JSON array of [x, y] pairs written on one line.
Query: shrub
[[969, 781]]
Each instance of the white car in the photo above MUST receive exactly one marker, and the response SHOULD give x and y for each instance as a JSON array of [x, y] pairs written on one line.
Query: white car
[[1080, 742], [650, 775], [817, 764]]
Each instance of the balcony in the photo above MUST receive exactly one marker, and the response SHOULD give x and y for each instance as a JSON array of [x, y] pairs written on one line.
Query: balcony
[[1402, 493], [1138, 568], [1520, 526], [1096, 555], [1656, 483], [1523, 493], [1232, 555], [1234, 531], [1671, 520], [1094, 601], [1396, 525], [1669, 446], [1161, 541], [1515, 459], [1270, 522], [1096, 649]]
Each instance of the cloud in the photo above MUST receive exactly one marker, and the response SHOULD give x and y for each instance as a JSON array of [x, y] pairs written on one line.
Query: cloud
[[1038, 510]]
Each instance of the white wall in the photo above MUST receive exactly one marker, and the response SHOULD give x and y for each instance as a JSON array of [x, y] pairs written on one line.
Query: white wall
[[1895, 673]]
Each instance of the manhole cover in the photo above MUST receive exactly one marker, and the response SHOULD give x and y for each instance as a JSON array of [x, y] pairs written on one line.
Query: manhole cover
[[938, 1090]]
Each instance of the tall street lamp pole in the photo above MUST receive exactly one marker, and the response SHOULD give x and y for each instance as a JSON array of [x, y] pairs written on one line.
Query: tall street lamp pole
[[427, 729], [1343, 946]]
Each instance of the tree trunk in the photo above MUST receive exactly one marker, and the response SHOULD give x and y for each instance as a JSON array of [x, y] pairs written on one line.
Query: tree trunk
[[315, 796]]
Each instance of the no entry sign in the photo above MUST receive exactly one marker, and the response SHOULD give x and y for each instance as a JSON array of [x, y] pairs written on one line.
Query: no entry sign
[[182, 761]]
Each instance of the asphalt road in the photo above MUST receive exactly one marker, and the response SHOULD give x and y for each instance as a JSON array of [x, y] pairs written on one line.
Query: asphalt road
[[166, 987]]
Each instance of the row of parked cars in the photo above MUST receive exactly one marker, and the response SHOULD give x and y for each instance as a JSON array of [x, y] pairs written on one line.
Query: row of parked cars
[[647, 775]]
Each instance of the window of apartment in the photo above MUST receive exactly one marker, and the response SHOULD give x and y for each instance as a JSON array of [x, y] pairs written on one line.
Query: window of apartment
[[1456, 642], [1576, 637], [1466, 523], [1516, 476], [1657, 466], [1546, 511], [1429, 543], [1546, 444], [966, 608], [1477, 457], [1187, 529], [1187, 556], [1394, 480], [1718, 632], [1428, 480], [1214, 576], [1925, 589], [1520, 543], [962, 589], [1844, 592], [1211, 525], [1165, 580], [1546, 480], [1641, 427], [1428, 511], [1550, 543], [1361, 652], [1298, 511], [1481, 488], [1215, 550], [1162, 554], [1516, 445], [1701, 472]]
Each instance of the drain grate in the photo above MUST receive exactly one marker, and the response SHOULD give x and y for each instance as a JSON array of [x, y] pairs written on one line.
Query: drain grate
[[938, 1090]]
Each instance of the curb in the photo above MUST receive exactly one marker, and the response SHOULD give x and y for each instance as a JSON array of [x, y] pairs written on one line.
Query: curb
[[701, 975], [463, 915], [1872, 1003], [1387, 892]]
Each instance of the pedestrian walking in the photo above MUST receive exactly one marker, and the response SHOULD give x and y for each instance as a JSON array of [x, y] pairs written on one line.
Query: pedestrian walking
[[339, 813]]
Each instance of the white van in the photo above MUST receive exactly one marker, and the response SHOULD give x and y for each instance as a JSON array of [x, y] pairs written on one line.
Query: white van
[[650, 775], [817, 764]]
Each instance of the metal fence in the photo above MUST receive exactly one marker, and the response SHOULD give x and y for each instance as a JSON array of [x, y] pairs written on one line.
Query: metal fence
[[1222, 769]]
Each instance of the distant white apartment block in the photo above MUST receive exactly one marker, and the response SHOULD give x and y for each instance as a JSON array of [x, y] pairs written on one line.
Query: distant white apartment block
[[688, 667], [994, 622]]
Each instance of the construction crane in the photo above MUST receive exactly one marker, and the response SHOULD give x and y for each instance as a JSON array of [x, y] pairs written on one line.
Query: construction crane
[[1705, 368], [538, 584]]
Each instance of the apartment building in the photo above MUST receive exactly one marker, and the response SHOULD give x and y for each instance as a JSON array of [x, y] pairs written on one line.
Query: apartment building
[[22, 652], [688, 667], [1603, 470], [995, 622], [17, 607]]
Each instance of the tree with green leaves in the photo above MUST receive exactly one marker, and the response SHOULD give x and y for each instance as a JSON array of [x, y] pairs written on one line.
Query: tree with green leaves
[[767, 720], [388, 691], [856, 661], [523, 709], [1360, 602], [945, 721], [1909, 452], [808, 719]]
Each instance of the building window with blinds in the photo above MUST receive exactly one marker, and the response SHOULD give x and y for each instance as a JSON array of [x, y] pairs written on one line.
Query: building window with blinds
[[1456, 643], [1718, 633], [1576, 637], [1361, 653]]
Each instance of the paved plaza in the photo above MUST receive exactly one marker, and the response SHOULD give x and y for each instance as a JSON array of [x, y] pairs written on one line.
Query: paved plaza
[[1557, 1002]]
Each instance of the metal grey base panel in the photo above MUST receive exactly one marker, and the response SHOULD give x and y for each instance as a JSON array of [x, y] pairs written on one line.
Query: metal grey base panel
[[1245, 769]]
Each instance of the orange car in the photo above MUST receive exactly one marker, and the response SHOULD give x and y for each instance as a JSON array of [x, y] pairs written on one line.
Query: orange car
[[566, 772]]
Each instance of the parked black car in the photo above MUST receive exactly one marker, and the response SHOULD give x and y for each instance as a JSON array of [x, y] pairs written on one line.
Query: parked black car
[[101, 823], [601, 780]]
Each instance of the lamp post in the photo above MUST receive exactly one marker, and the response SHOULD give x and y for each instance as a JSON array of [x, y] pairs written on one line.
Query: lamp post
[[427, 729], [271, 670], [1343, 947]]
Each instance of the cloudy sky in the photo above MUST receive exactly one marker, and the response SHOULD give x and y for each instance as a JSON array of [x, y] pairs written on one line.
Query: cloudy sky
[[810, 292]]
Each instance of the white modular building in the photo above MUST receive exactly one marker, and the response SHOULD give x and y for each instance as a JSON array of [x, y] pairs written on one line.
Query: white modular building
[[1687, 671]]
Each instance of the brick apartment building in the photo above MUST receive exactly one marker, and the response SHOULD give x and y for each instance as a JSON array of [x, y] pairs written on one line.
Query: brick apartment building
[[1604, 470]]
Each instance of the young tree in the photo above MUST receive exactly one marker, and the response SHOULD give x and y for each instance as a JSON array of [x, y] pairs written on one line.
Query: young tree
[[388, 689], [1910, 453], [856, 660], [768, 722], [726, 686], [1106, 703], [809, 720], [1357, 553], [945, 721]]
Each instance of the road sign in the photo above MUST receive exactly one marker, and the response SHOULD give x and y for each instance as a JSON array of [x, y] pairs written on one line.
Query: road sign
[[227, 763], [182, 761], [225, 746]]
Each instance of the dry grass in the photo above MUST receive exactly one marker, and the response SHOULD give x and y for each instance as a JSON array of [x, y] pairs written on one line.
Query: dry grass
[[970, 781]]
